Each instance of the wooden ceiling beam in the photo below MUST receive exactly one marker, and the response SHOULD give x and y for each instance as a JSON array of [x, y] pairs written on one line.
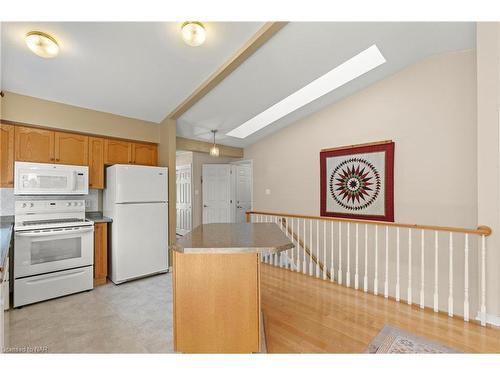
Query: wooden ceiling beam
[[265, 33]]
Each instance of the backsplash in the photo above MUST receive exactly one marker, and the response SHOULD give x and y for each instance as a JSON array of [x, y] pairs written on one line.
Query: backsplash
[[93, 200]]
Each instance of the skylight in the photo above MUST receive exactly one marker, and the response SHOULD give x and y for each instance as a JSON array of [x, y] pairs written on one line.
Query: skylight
[[356, 66]]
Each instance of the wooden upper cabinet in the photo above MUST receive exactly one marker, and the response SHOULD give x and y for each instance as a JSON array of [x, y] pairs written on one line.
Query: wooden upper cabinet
[[144, 154], [6, 155], [117, 152], [35, 145], [71, 148], [96, 163]]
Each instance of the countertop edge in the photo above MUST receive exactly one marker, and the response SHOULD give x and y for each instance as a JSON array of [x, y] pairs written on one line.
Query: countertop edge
[[231, 250], [7, 231]]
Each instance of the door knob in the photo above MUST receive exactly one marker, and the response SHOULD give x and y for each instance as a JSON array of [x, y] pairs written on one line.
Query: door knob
[[205, 206]]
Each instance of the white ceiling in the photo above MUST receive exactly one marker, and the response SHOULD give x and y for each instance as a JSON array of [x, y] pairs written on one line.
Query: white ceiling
[[303, 51], [144, 70], [136, 69]]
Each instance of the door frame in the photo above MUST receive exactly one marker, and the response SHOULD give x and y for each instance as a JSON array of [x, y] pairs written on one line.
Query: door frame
[[191, 192], [231, 191], [233, 181]]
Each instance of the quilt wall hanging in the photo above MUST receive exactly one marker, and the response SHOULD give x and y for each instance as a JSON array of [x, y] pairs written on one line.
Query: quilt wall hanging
[[357, 181]]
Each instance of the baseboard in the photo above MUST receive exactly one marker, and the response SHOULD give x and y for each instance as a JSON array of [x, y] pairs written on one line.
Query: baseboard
[[491, 319]]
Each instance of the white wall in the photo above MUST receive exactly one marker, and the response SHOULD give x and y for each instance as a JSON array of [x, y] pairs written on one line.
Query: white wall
[[488, 147], [429, 111]]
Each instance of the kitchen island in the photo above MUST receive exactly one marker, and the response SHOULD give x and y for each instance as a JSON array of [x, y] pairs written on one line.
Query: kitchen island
[[216, 284]]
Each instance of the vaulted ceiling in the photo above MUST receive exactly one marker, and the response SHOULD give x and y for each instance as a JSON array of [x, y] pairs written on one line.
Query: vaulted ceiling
[[144, 70]]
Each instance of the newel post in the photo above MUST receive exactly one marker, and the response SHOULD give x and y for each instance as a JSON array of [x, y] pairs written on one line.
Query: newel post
[[247, 214]]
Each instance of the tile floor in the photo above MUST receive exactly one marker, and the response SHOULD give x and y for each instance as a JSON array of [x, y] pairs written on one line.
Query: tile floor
[[135, 317]]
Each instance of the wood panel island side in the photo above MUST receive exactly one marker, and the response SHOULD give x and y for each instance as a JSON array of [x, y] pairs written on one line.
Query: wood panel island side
[[216, 283]]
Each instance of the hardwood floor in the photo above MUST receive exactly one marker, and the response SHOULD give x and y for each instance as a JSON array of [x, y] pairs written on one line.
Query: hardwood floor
[[307, 315]]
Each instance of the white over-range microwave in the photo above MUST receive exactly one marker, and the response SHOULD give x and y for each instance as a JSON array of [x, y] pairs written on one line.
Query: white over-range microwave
[[50, 179]]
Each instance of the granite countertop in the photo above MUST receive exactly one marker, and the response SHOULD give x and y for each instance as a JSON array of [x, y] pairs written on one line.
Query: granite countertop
[[6, 228], [97, 217], [234, 238]]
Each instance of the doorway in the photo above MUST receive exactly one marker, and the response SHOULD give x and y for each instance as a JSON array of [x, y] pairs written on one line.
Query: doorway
[[183, 178], [242, 190], [227, 192]]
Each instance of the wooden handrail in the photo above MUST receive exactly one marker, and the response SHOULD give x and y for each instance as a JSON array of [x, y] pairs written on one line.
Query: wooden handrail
[[482, 230]]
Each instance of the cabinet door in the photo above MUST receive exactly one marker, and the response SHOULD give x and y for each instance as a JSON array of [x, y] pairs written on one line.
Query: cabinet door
[[144, 154], [100, 253], [71, 148], [35, 145], [96, 163], [117, 152], [6, 155]]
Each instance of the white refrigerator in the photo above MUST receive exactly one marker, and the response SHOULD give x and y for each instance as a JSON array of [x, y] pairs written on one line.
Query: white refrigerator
[[136, 198]]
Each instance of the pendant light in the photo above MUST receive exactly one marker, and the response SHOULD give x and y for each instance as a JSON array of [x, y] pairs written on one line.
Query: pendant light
[[214, 150]]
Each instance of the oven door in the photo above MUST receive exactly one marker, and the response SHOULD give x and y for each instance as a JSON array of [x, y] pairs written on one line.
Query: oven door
[[49, 250]]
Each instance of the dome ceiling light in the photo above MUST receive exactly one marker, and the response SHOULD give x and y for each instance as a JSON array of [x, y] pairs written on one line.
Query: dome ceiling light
[[42, 44], [193, 33]]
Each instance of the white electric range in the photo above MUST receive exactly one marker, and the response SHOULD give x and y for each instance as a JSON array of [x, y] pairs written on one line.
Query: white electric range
[[53, 250]]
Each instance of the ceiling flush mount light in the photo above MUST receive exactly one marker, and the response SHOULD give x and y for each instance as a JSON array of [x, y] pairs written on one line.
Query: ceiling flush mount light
[[356, 66], [214, 150], [193, 33], [42, 44]]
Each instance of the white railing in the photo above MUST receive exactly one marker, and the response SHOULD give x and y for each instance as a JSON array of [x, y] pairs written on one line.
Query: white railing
[[444, 266]]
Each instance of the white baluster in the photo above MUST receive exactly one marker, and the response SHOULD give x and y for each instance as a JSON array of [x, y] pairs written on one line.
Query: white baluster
[[466, 278], [386, 281], [287, 265], [375, 279], [483, 280], [450, 274], [397, 265], [339, 273], [331, 266], [304, 264], [365, 279], [356, 275], [436, 272], [295, 235], [348, 272], [311, 247], [422, 268], [409, 294], [277, 255], [324, 250], [317, 249]]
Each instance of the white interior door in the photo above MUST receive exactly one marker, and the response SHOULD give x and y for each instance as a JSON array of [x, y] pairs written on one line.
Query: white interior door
[[243, 186], [216, 187], [183, 202]]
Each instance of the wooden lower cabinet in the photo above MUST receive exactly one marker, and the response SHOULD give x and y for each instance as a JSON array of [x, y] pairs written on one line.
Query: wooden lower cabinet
[[100, 253], [216, 303], [6, 155]]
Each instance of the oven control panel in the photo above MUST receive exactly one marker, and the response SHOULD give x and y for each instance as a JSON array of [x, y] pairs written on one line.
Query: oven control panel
[[46, 206]]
